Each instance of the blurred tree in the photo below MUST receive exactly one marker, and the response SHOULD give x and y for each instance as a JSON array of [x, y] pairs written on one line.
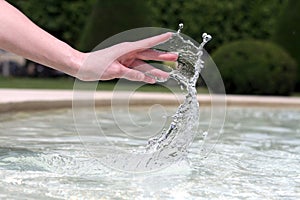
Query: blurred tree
[[226, 20], [64, 19], [288, 32], [111, 17]]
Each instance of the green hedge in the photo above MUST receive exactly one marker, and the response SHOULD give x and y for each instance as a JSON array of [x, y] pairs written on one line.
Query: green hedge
[[225, 20], [287, 33], [256, 67]]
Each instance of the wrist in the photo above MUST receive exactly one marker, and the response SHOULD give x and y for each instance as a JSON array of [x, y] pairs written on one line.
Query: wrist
[[77, 60]]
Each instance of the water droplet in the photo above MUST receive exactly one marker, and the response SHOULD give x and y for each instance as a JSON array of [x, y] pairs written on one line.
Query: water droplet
[[206, 37], [182, 87], [180, 26], [204, 134]]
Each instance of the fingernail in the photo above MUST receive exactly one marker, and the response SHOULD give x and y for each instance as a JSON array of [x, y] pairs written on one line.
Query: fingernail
[[177, 55]]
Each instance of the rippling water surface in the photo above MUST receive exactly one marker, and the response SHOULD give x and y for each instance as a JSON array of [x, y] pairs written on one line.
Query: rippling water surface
[[257, 157]]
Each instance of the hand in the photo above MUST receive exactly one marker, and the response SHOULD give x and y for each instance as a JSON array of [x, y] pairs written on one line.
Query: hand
[[125, 60]]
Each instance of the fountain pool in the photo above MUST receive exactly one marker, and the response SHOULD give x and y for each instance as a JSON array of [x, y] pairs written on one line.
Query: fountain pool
[[257, 157]]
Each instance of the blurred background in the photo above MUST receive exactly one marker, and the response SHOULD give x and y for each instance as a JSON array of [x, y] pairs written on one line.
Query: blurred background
[[255, 45]]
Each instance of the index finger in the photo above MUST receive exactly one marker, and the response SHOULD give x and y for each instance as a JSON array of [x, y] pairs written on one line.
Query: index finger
[[152, 41], [127, 47]]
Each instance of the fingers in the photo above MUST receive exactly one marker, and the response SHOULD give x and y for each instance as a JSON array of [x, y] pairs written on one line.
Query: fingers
[[125, 48], [153, 41], [113, 58], [132, 74], [149, 69], [151, 54]]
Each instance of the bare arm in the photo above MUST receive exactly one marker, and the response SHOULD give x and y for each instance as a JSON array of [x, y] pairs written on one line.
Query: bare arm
[[21, 36]]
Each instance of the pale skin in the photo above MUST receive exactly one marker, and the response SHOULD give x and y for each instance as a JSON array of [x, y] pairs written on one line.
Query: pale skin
[[125, 60]]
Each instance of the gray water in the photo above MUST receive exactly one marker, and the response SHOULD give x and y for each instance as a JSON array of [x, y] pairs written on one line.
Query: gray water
[[257, 157]]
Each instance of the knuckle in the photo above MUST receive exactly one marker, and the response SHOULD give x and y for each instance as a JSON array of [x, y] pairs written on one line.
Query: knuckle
[[119, 71]]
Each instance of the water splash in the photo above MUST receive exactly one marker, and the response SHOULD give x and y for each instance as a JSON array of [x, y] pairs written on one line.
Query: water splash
[[180, 26], [171, 145], [186, 74]]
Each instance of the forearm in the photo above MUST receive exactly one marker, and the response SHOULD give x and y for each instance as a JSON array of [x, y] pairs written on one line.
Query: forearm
[[19, 35]]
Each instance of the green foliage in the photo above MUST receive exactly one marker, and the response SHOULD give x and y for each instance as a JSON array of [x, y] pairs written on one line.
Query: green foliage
[[111, 17], [287, 33], [226, 20], [256, 67], [63, 19]]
